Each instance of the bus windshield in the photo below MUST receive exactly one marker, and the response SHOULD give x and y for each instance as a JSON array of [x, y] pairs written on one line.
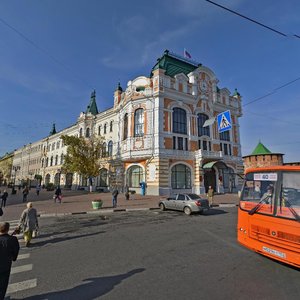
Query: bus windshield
[[270, 194]]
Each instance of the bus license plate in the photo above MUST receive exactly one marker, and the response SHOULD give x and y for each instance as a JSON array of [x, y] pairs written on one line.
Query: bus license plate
[[274, 252]]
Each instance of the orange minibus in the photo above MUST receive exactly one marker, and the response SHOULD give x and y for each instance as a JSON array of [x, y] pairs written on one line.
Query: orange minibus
[[269, 212]]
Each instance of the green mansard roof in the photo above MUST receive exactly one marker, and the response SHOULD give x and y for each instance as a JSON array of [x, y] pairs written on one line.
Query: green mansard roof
[[261, 150], [175, 64], [92, 107]]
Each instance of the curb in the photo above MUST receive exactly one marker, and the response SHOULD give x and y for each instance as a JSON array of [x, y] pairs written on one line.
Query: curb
[[105, 211], [96, 212]]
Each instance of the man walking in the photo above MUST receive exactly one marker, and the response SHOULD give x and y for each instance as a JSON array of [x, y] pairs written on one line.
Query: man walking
[[25, 193], [115, 197], [9, 250], [57, 194], [4, 197]]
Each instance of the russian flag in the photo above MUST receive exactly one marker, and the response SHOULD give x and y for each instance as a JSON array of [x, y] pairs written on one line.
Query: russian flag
[[186, 54]]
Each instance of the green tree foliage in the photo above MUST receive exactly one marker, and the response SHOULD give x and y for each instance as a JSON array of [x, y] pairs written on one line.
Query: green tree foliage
[[82, 155]]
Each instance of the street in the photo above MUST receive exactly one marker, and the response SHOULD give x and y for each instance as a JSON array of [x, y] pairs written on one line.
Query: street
[[149, 255]]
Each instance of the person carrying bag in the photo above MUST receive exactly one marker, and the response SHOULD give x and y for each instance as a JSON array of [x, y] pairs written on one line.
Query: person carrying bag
[[29, 223]]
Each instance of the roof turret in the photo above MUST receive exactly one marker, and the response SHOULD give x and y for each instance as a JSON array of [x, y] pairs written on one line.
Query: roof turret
[[261, 150], [53, 131], [92, 107]]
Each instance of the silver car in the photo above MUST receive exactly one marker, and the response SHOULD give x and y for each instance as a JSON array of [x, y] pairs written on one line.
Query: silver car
[[188, 203]]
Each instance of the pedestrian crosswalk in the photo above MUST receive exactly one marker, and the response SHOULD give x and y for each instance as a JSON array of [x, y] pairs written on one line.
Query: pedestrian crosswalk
[[21, 266]]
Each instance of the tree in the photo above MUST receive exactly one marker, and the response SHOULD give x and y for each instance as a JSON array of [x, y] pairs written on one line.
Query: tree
[[82, 155]]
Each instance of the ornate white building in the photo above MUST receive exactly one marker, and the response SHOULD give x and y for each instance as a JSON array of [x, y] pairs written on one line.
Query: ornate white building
[[154, 134]]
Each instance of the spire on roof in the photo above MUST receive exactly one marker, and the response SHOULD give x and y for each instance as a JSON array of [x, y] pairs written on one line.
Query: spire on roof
[[92, 107], [236, 93], [119, 88], [53, 131]]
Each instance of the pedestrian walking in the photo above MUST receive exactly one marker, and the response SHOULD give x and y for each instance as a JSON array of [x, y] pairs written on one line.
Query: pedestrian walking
[[28, 222], [25, 193], [210, 195], [126, 191], [57, 195], [4, 198], [38, 189], [115, 197], [9, 250]]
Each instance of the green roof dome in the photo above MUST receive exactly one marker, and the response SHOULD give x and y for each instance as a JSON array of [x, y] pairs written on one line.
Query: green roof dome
[[174, 64], [261, 149]]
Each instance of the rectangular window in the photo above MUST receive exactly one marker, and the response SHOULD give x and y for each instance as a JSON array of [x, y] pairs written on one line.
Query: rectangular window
[[180, 143], [174, 142], [204, 145], [225, 149], [225, 136], [289, 200], [186, 144], [199, 144]]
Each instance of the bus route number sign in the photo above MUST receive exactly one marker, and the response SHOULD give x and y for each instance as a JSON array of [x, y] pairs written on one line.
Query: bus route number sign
[[265, 176]]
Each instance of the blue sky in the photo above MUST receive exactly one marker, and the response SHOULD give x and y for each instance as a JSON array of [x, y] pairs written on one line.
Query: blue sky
[[75, 46]]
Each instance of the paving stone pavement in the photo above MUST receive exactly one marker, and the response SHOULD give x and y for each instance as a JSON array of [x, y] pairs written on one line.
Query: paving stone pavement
[[76, 202]]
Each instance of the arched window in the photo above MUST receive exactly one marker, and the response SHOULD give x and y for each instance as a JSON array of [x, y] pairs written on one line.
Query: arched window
[[99, 130], [179, 121], [103, 177], [58, 145], [47, 162], [110, 148], [42, 163], [111, 126], [87, 133], [181, 177], [103, 150], [139, 122], [53, 146], [125, 129], [105, 128], [135, 176], [51, 161], [61, 159], [201, 118], [80, 132], [56, 159]]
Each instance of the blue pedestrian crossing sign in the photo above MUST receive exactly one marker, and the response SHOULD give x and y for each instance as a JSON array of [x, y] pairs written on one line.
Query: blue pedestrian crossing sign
[[224, 121]]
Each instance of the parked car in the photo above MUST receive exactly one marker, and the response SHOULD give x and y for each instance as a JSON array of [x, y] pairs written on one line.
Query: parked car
[[188, 203]]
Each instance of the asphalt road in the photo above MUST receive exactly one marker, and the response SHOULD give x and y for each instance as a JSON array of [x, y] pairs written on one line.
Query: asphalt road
[[149, 255]]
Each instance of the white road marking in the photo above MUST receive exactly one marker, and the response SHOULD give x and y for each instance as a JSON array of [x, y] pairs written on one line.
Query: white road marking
[[23, 256], [21, 286], [20, 269]]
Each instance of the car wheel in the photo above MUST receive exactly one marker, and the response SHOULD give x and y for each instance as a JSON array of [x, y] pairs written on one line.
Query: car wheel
[[187, 210], [162, 206]]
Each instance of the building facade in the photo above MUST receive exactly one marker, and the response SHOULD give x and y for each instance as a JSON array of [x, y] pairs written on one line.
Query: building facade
[[154, 134]]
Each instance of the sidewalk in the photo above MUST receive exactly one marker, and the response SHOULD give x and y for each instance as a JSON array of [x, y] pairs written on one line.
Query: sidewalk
[[80, 202]]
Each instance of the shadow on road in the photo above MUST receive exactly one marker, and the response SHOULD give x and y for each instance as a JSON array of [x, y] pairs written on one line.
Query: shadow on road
[[62, 239], [214, 211], [91, 288]]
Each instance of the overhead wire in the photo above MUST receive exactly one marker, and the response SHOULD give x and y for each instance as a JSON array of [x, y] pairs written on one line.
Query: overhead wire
[[251, 20]]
